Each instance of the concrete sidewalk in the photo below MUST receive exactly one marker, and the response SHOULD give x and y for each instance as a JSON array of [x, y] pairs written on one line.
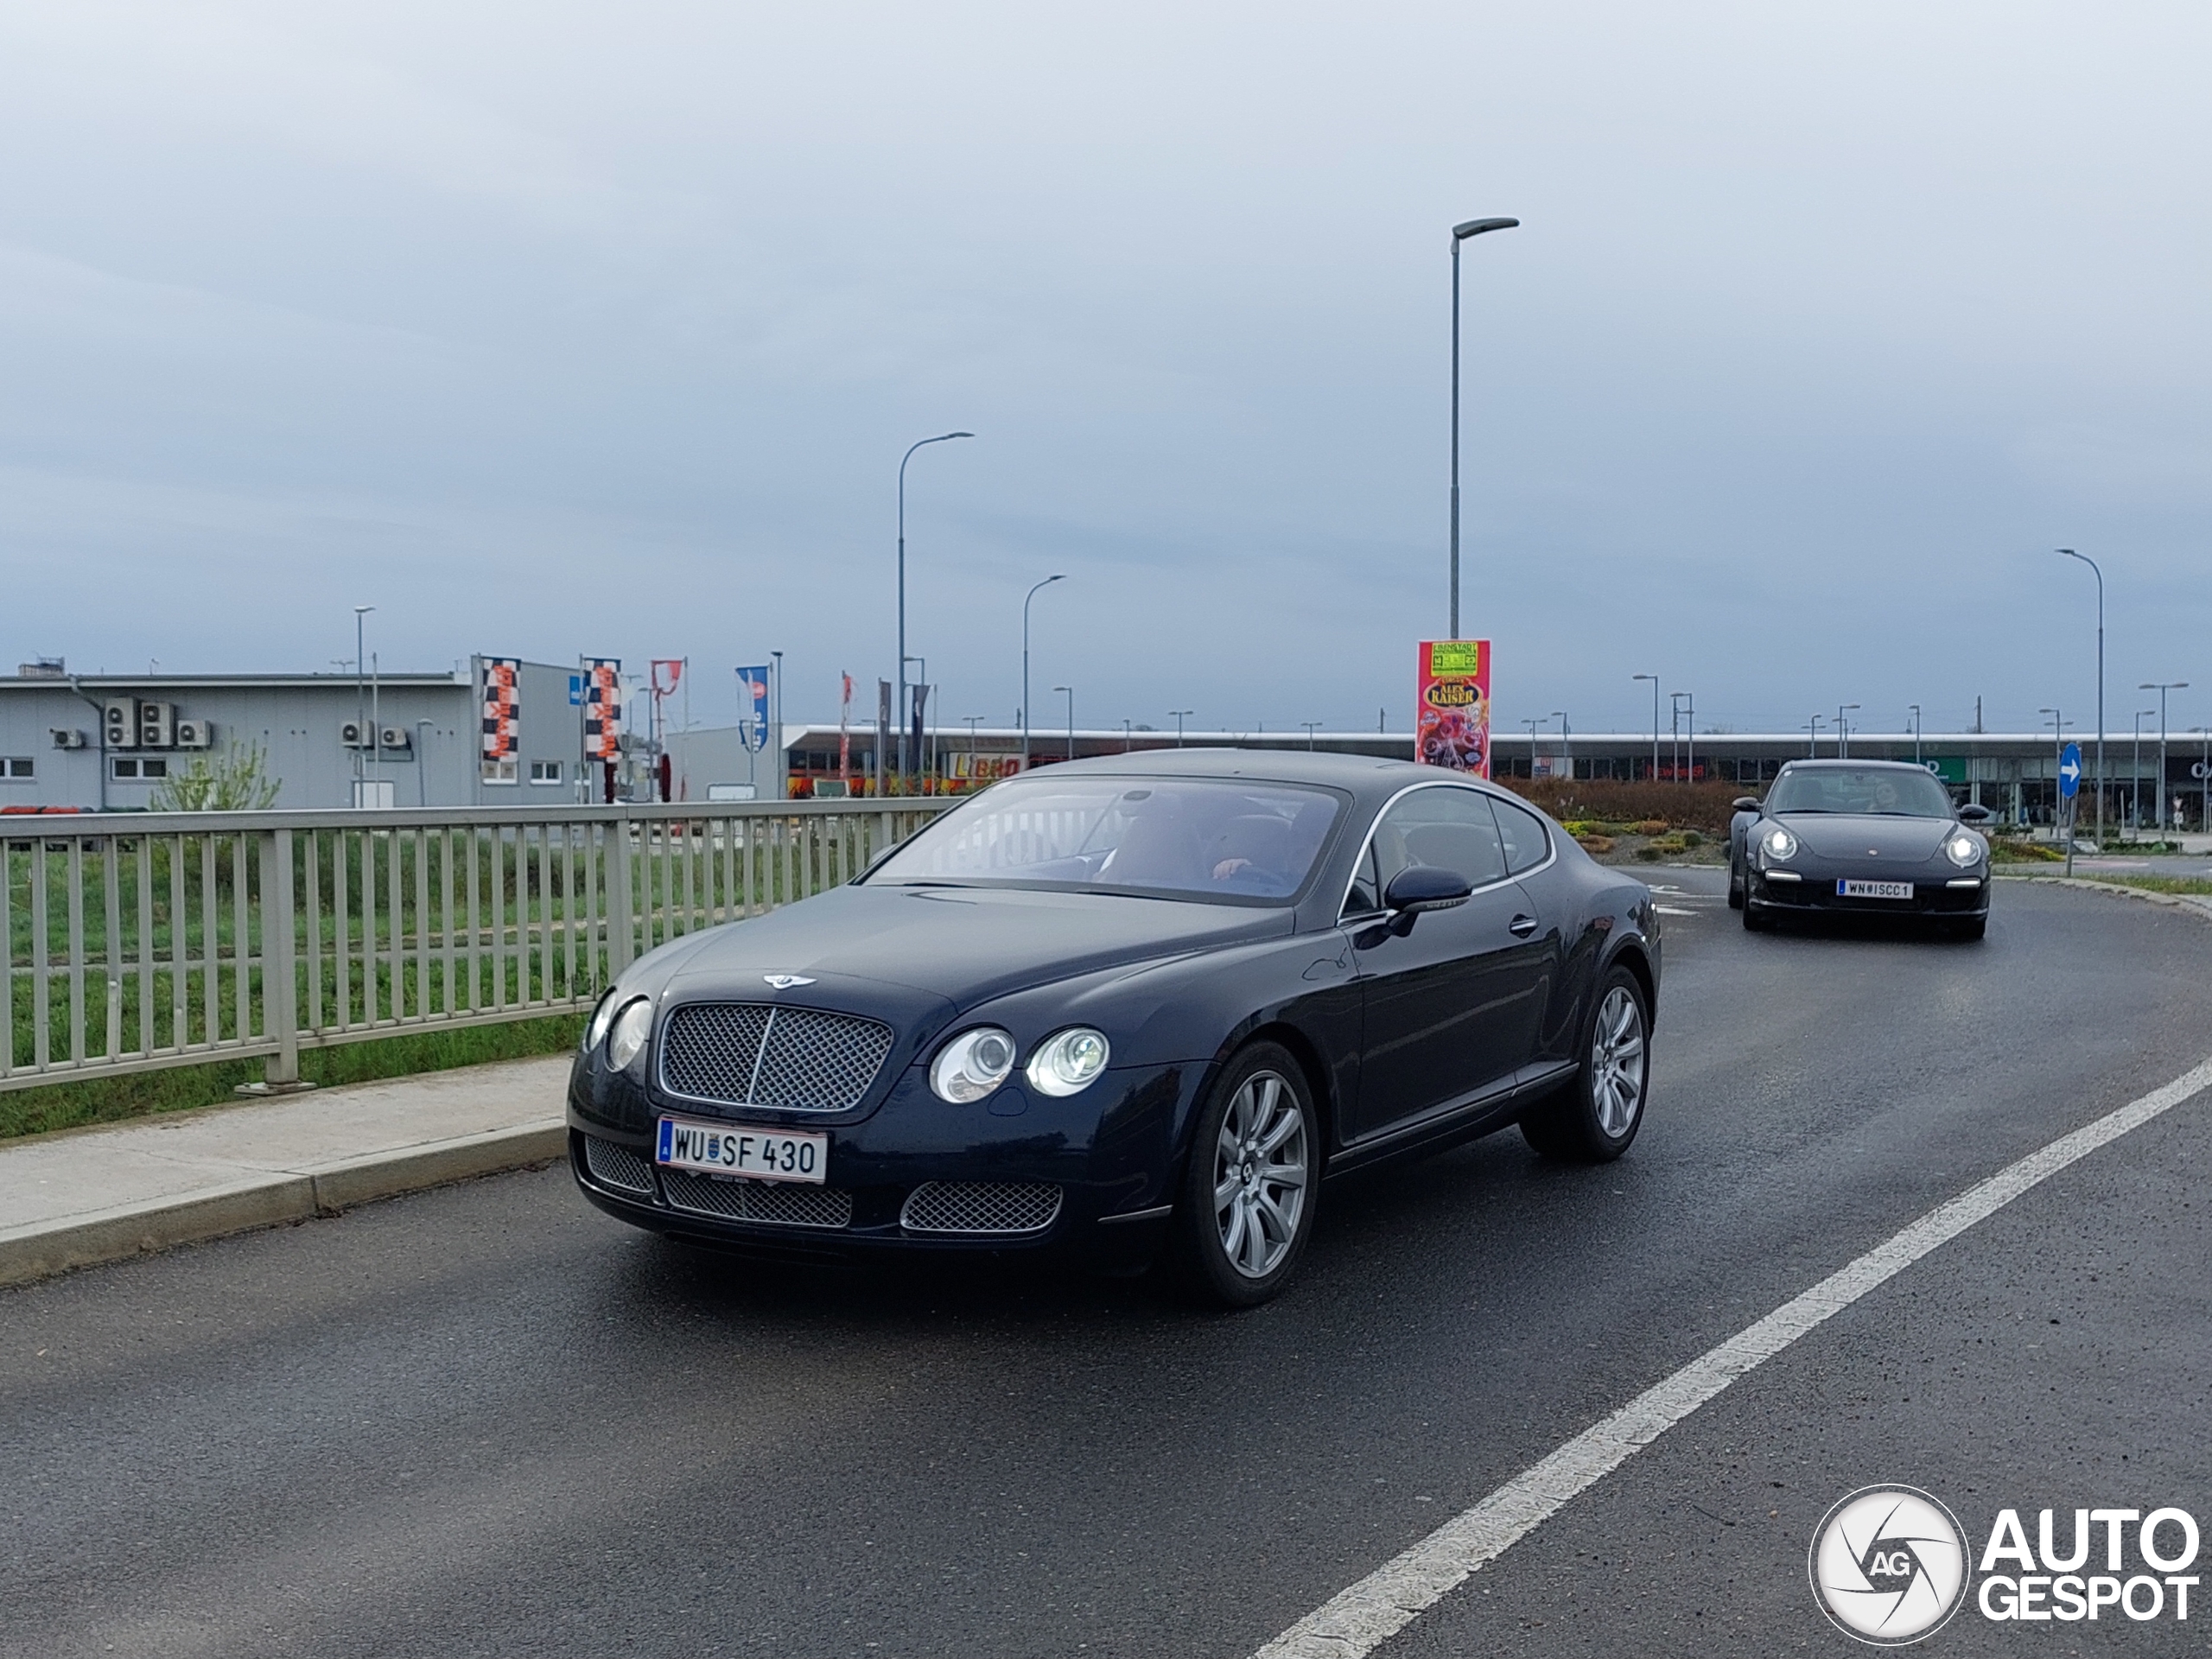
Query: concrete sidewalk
[[86, 1195]]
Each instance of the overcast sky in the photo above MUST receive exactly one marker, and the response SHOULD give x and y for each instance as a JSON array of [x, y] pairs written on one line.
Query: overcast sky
[[555, 329]]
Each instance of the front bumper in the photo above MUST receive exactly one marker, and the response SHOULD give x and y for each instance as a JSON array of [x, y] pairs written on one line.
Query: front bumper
[[1091, 1176], [1815, 890]]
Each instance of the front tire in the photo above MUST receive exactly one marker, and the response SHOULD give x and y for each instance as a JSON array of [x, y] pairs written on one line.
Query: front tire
[[1595, 1117], [1735, 889], [1249, 1189]]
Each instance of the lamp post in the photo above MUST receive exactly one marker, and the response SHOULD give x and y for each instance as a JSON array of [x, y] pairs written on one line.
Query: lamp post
[[2162, 687], [1565, 742], [1813, 752], [1071, 691], [1675, 731], [2057, 759], [360, 694], [1653, 679], [1842, 730], [1309, 725], [942, 437], [1915, 733], [2135, 775], [421, 764], [1460, 233], [1127, 734], [1532, 721], [1033, 592], [1179, 714], [2204, 772], [2068, 552]]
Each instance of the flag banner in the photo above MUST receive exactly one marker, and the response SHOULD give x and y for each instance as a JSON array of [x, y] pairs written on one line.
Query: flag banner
[[675, 667], [1453, 728], [502, 709], [752, 703], [603, 707]]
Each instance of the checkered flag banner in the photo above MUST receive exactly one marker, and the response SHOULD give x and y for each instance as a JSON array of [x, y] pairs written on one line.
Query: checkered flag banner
[[502, 712], [603, 707]]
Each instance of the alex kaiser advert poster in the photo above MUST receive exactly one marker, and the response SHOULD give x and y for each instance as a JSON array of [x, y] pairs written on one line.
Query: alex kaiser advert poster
[[1454, 728]]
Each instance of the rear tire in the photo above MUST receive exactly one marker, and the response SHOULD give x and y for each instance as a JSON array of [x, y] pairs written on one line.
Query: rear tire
[[1594, 1118], [1247, 1204]]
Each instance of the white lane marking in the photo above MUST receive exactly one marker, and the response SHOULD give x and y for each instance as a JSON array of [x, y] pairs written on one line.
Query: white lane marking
[[1359, 1619], [1670, 910]]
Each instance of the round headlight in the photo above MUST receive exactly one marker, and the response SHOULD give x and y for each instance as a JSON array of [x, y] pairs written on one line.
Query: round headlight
[[599, 1018], [1963, 850], [1068, 1062], [972, 1064], [1779, 842], [626, 1038]]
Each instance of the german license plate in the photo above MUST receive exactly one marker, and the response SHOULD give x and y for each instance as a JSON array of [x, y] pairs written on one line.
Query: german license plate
[[1850, 889], [762, 1154]]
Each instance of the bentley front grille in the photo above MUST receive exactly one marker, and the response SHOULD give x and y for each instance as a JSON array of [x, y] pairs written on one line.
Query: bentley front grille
[[782, 1204], [781, 1059], [981, 1207]]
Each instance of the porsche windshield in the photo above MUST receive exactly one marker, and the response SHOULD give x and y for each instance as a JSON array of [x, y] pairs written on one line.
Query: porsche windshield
[[1880, 791], [1212, 838]]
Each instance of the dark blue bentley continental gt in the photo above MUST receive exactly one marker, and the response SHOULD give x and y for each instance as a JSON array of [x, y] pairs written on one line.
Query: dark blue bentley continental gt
[[1128, 1007]]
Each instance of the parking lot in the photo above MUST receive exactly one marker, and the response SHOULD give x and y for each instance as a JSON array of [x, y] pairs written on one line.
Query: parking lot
[[486, 1418]]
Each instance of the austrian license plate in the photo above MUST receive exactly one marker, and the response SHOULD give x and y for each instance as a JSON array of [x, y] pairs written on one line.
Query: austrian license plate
[[1849, 889], [763, 1154]]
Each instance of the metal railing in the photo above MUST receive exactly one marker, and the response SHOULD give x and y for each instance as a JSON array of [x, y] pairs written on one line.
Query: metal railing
[[161, 939]]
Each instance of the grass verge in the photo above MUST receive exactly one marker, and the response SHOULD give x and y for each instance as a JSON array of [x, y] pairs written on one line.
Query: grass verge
[[109, 1100], [2198, 885]]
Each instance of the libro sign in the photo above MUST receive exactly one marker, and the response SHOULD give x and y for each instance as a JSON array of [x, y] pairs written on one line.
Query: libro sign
[[1451, 728]]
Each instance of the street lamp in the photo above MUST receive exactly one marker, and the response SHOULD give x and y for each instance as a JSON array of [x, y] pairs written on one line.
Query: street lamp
[[1814, 725], [1071, 691], [1675, 732], [1688, 765], [2204, 773], [942, 437], [1179, 714], [1916, 731], [1460, 233], [1033, 592], [1653, 679], [2135, 772], [1842, 730], [2162, 687], [1532, 721], [2057, 759], [1309, 725], [421, 764], [1566, 741], [2068, 552]]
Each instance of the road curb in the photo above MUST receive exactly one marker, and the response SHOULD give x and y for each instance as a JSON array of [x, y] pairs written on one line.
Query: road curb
[[42, 1249], [2182, 901]]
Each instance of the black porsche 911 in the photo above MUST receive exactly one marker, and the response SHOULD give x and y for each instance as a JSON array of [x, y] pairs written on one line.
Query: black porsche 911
[[1862, 837], [1127, 1006]]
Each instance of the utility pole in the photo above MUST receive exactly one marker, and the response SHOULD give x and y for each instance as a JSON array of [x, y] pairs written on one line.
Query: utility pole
[[1179, 714], [2069, 553], [1460, 233]]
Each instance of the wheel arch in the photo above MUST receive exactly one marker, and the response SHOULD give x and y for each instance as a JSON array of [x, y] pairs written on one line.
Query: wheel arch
[[1631, 957]]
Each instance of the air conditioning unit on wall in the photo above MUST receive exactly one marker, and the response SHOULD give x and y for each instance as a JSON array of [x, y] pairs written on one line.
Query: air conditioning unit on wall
[[397, 737], [195, 733], [353, 734], [69, 738], [119, 716]]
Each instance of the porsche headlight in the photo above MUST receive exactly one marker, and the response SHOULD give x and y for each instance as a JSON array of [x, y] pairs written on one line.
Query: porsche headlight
[[1068, 1062], [972, 1066], [1963, 850], [626, 1038], [1778, 842]]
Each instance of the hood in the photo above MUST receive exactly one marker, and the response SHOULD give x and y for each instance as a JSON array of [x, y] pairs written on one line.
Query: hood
[[1834, 834], [966, 945]]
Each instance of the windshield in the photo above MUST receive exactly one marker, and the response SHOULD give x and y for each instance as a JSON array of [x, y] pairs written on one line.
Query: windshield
[[1211, 838], [1882, 790]]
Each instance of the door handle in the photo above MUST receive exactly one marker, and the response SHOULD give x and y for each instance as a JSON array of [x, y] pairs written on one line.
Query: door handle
[[1522, 927]]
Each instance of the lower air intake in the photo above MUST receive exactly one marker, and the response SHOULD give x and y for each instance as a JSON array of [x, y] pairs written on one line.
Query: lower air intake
[[981, 1207], [781, 1203], [613, 1165]]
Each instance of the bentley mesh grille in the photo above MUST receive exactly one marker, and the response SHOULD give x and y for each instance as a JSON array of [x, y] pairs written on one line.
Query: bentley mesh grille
[[786, 1060], [783, 1204], [613, 1165], [981, 1207]]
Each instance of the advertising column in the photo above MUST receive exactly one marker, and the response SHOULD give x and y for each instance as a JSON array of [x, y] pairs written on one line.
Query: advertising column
[[1453, 727]]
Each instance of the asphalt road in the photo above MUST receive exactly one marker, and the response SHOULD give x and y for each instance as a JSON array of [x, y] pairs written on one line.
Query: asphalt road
[[487, 1419]]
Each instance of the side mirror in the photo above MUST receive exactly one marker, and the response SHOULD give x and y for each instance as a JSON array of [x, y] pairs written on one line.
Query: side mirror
[[1415, 891], [1745, 803], [1974, 814]]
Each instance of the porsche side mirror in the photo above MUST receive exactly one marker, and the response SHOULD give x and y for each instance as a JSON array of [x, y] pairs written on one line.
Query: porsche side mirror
[[1745, 803], [1974, 813]]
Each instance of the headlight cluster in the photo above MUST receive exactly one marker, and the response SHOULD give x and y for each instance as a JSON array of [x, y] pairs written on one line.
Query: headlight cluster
[[1963, 850], [974, 1064], [626, 1033], [1778, 842]]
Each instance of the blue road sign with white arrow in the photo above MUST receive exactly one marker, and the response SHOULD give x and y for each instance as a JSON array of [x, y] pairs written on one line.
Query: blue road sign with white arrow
[[2069, 771]]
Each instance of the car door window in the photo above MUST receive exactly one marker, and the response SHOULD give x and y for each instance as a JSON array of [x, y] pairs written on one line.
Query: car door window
[[1364, 897], [1527, 842], [1444, 828]]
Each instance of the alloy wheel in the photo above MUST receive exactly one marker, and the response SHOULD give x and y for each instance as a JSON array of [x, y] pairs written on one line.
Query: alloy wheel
[[1617, 1062], [1260, 1172]]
